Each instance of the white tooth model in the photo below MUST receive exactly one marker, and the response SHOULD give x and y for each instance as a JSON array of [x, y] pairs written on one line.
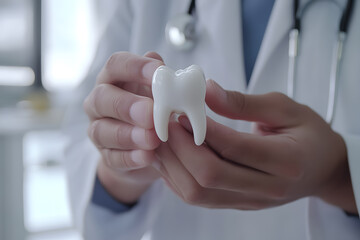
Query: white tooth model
[[182, 91]]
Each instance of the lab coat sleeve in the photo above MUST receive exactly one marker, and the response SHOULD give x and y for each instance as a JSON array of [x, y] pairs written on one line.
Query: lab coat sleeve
[[81, 156], [353, 151], [103, 198], [101, 223]]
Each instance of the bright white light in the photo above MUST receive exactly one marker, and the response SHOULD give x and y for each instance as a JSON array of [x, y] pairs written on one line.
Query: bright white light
[[69, 42], [16, 76], [176, 36], [46, 204]]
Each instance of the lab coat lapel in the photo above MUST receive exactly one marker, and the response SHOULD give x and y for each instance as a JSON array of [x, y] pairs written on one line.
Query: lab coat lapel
[[221, 23], [278, 27]]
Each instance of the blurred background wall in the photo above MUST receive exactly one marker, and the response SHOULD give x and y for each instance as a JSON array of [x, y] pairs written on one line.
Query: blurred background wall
[[46, 47]]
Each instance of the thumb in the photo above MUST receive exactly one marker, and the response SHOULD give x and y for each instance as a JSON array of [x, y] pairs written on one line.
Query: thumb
[[154, 55], [274, 109]]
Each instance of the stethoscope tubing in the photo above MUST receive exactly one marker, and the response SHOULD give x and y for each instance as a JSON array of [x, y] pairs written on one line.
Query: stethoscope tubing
[[336, 57]]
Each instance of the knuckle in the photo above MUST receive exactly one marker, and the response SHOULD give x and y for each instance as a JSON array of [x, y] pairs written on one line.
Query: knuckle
[[193, 195], [93, 132], [237, 100], [278, 97], [287, 105], [97, 94], [124, 160], [107, 157], [278, 193], [112, 63], [281, 99], [122, 133], [208, 177], [305, 110], [90, 103], [117, 106]]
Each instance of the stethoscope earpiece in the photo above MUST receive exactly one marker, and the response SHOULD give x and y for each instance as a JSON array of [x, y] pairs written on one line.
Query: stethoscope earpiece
[[180, 32]]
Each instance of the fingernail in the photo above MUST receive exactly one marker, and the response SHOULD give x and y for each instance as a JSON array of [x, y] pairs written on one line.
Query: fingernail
[[149, 69], [138, 136], [138, 158], [140, 112], [184, 121]]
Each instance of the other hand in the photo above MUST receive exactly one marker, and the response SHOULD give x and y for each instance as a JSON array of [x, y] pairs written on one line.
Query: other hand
[[121, 124], [293, 153]]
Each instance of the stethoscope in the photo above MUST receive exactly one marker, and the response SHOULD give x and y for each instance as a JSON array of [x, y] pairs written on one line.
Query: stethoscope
[[180, 33], [336, 56]]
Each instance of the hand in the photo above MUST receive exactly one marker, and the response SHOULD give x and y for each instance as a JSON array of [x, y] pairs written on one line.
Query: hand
[[294, 153], [121, 124]]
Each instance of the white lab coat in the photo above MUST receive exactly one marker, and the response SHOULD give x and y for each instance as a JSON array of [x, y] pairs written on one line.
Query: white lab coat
[[138, 26]]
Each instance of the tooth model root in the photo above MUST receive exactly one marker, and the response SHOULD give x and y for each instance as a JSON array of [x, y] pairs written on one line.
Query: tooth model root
[[161, 118], [180, 91]]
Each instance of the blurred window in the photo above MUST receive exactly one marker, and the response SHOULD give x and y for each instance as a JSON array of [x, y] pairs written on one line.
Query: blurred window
[[63, 43], [69, 36], [47, 212], [17, 43]]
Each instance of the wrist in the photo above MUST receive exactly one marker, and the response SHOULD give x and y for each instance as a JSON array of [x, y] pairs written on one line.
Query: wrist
[[341, 195], [102, 198], [339, 191], [119, 186]]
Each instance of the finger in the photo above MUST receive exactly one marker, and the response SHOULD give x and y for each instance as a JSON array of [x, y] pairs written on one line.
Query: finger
[[162, 155], [171, 169], [186, 187], [154, 55], [127, 160], [110, 133], [126, 67], [110, 101], [274, 109], [211, 171], [142, 175], [141, 89], [180, 180], [272, 154]]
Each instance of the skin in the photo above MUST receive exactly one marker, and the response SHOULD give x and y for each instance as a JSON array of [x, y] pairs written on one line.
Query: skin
[[121, 124], [293, 152]]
